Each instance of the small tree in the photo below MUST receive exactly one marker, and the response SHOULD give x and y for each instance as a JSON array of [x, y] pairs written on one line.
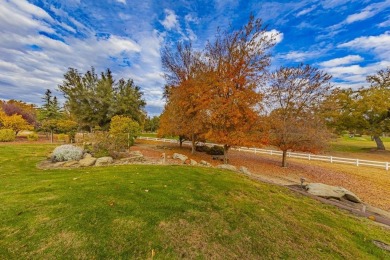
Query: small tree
[[124, 130], [15, 122], [293, 98]]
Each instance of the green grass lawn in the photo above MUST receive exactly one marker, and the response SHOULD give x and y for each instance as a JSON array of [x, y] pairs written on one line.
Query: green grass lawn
[[165, 212], [148, 134], [361, 144]]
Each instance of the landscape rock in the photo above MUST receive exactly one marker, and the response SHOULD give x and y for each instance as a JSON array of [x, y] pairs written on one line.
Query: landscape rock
[[58, 164], [227, 167], [102, 161], [202, 162], [87, 161], [71, 164], [245, 170], [87, 155], [328, 191], [179, 156], [193, 162]]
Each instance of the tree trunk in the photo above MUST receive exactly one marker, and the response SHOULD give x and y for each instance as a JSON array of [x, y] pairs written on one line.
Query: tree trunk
[[51, 136], [225, 154], [284, 159], [193, 144], [379, 144], [181, 141]]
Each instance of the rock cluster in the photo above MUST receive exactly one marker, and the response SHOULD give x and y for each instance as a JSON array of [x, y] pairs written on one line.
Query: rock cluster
[[88, 160]]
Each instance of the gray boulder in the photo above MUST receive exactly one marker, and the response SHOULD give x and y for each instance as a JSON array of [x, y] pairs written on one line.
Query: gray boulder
[[179, 156], [227, 167], [193, 162], [328, 191], [87, 161], [202, 162], [245, 170], [102, 161]]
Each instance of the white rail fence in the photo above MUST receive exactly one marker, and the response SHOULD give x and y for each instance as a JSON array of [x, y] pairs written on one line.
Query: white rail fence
[[307, 156]]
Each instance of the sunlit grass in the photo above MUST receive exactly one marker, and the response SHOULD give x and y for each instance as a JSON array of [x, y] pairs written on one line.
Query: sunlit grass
[[167, 212]]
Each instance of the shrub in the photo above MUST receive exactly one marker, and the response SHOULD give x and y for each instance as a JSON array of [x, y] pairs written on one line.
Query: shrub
[[202, 148], [215, 150], [7, 135], [32, 137], [66, 152]]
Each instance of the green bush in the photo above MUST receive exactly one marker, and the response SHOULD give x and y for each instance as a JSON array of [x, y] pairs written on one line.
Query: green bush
[[7, 135], [32, 137]]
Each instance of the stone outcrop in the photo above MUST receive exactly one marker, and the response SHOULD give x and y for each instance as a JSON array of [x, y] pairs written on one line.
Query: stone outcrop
[[227, 167], [193, 162], [87, 161], [245, 171], [328, 191], [181, 157], [204, 163], [102, 161]]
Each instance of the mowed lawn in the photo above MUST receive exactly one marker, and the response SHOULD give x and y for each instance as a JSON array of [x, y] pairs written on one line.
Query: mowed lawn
[[165, 212]]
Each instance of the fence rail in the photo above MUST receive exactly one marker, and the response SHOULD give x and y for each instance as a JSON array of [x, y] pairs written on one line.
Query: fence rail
[[307, 156]]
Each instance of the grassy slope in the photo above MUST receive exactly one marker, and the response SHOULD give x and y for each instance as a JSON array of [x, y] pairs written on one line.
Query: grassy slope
[[172, 212]]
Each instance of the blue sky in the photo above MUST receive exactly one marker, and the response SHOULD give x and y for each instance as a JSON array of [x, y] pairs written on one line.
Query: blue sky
[[40, 39]]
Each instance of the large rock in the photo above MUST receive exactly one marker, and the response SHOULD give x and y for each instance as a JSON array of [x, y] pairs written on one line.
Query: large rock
[[87, 161], [71, 164], [193, 162], [202, 162], [104, 161], [227, 167], [328, 191], [245, 170], [179, 156]]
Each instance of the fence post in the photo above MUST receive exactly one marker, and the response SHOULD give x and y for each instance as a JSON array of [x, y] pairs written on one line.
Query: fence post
[[255, 150], [387, 166], [288, 154], [357, 162], [309, 157], [271, 152], [331, 159]]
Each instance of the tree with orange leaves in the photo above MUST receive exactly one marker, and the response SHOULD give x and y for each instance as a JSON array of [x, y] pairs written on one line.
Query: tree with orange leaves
[[237, 62], [294, 97], [183, 114]]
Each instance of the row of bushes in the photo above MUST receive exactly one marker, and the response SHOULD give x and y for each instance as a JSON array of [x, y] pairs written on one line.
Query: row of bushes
[[213, 150], [8, 135]]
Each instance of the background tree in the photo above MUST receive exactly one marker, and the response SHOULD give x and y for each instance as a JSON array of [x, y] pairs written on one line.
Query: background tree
[[27, 111], [293, 99], [94, 100], [366, 110], [14, 122], [238, 62], [49, 114], [152, 124]]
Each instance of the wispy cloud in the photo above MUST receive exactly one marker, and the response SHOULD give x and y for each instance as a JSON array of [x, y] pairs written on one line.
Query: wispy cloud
[[306, 11], [170, 22], [342, 61]]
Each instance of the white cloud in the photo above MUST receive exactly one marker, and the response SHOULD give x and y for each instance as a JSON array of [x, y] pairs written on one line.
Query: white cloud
[[341, 61], [369, 11], [121, 1], [380, 45], [385, 23], [359, 16], [31, 62], [278, 36], [306, 11], [299, 56], [170, 22]]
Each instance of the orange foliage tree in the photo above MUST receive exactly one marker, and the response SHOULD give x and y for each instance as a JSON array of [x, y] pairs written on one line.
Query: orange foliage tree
[[293, 98], [238, 64], [183, 114]]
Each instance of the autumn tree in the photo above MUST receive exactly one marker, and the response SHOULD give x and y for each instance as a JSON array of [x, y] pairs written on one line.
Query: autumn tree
[[293, 99], [184, 112], [15, 107], [238, 62], [14, 122]]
